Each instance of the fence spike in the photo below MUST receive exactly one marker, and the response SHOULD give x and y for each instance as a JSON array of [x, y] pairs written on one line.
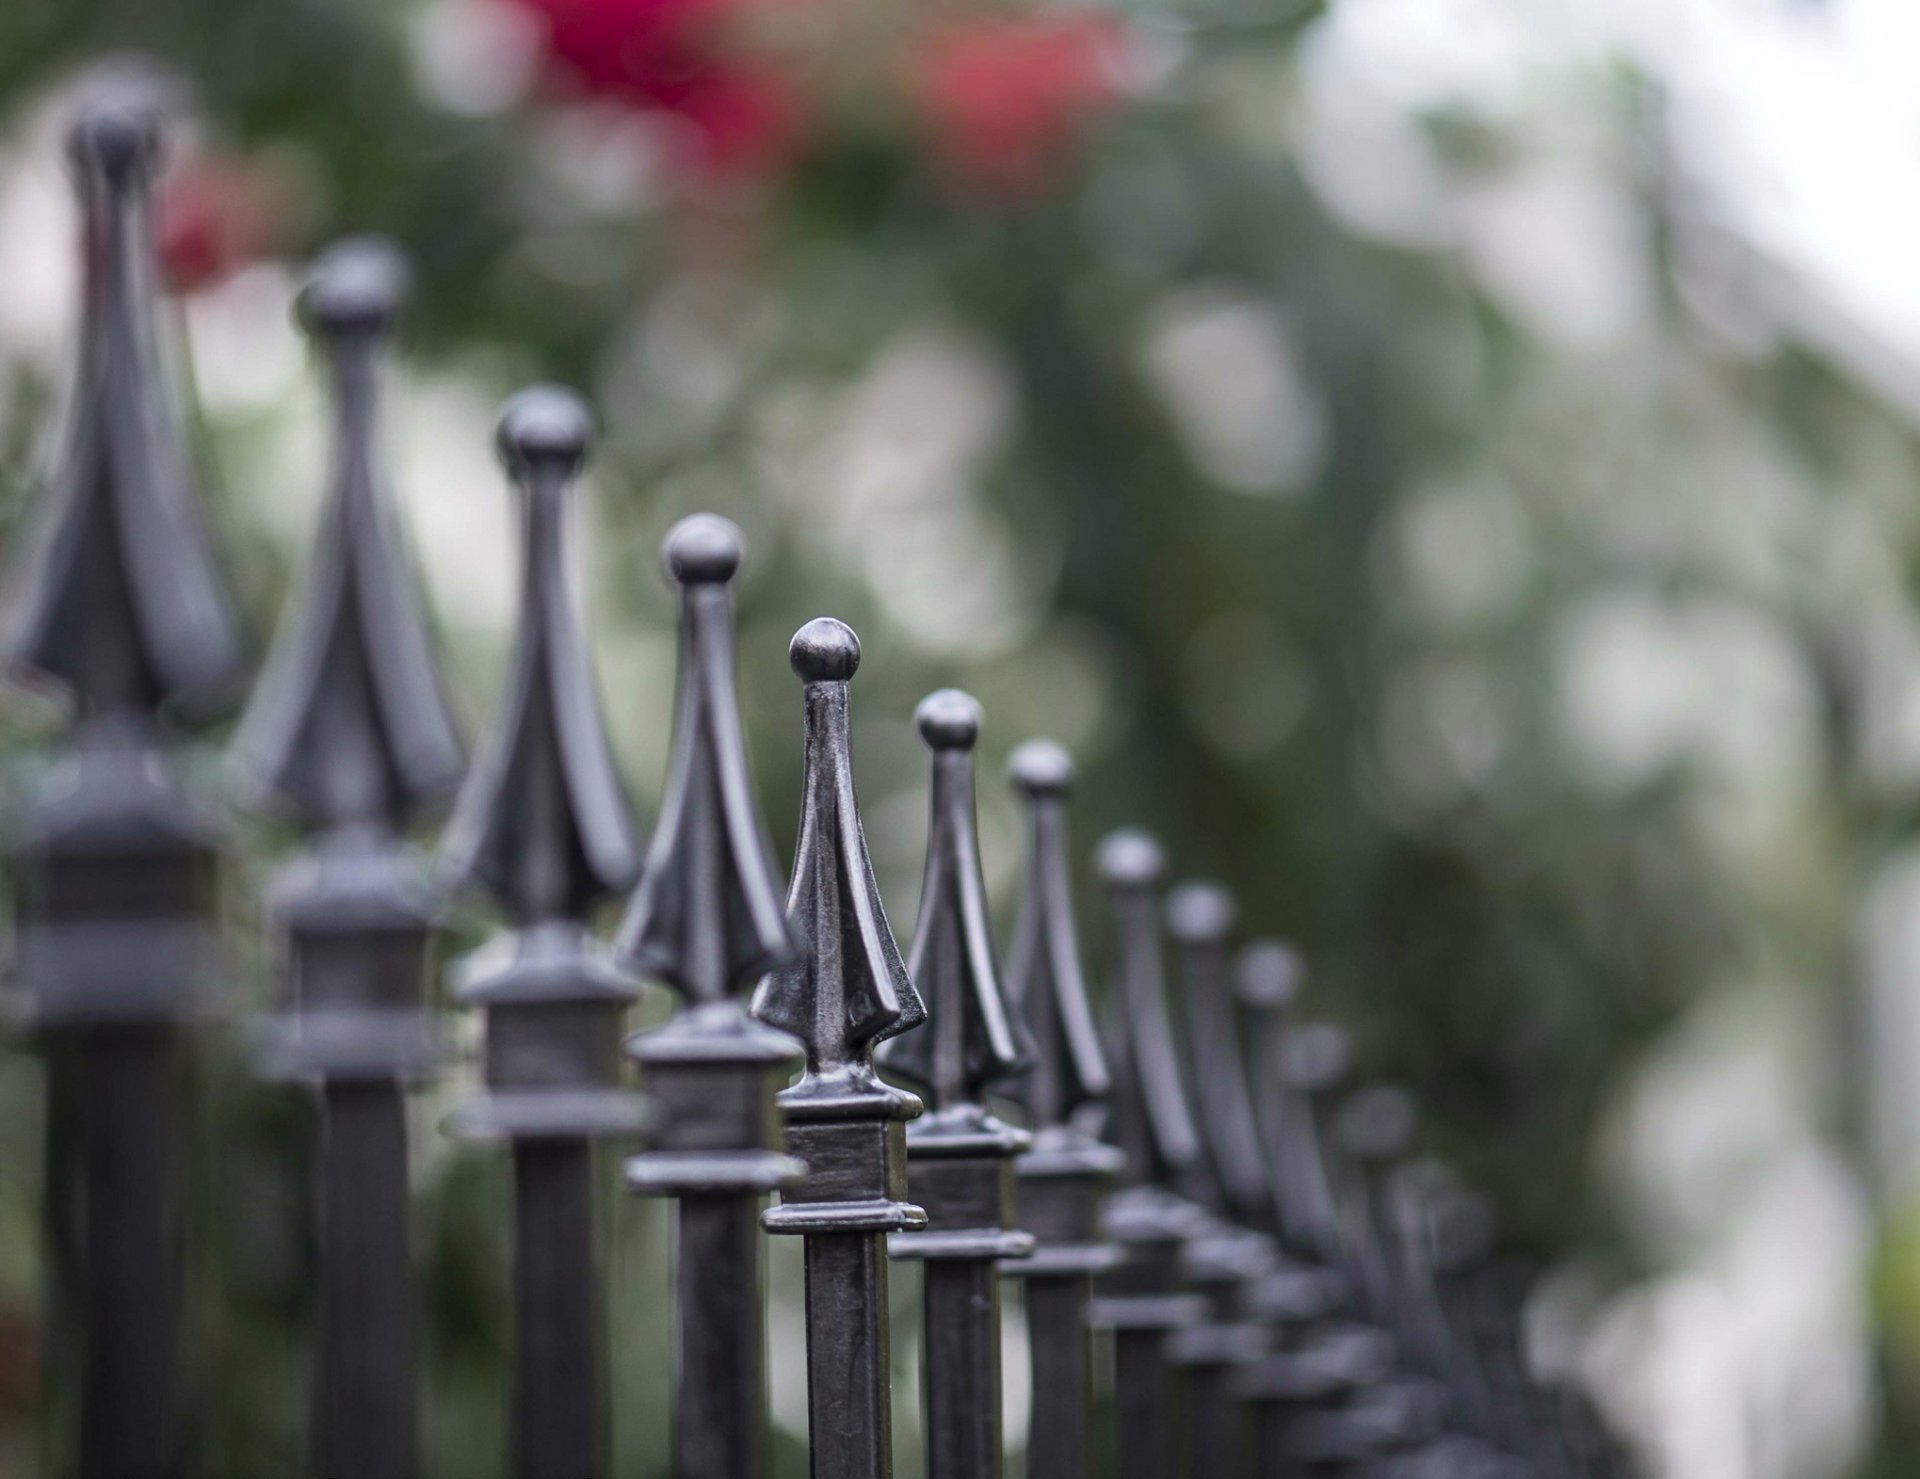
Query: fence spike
[[1152, 1217], [348, 727], [706, 917], [1235, 1263], [113, 600], [1064, 1178], [959, 1157], [542, 826], [848, 991], [349, 723]]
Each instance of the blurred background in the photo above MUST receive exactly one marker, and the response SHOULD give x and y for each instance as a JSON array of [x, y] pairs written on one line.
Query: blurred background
[[1448, 465]]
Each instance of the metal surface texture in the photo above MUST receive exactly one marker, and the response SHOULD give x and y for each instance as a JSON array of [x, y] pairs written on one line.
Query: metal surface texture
[[848, 990], [960, 1155], [541, 826], [1063, 1179], [707, 919]]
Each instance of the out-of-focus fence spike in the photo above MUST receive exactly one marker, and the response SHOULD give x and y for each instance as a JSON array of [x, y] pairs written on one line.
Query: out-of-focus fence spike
[[848, 991], [960, 1156], [706, 919], [112, 599], [542, 826], [1063, 1179], [348, 728]]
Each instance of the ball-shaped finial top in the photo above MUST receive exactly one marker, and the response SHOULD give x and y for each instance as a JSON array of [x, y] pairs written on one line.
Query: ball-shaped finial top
[[1318, 1058], [1200, 913], [544, 424], [1130, 858], [1270, 975], [356, 287], [825, 650], [1041, 768], [116, 132], [703, 549], [1377, 1124], [948, 719]]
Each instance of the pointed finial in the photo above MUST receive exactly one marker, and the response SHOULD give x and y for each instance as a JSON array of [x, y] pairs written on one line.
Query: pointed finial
[[849, 989], [1153, 1119], [972, 1040], [707, 915], [350, 724], [1045, 981], [113, 595], [1200, 917], [542, 820]]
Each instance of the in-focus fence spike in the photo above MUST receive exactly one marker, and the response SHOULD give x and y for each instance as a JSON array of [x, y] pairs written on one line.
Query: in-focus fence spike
[[348, 727], [542, 826], [706, 918], [1063, 1179], [1152, 1218], [112, 598], [959, 1157], [848, 990]]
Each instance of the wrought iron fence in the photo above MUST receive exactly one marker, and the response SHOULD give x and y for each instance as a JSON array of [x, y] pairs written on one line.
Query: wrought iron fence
[[1287, 1286]]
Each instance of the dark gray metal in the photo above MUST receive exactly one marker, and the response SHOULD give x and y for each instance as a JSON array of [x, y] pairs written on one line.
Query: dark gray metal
[[112, 600], [1063, 1179], [706, 919], [848, 991], [1235, 1262], [542, 826], [348, 729], [959, 1157], [1153, 1218]]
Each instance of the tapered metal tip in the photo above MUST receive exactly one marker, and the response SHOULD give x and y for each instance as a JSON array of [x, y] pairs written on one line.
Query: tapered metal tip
[[116, 134], [1041, 768], [948, 720], [1130, 858], [825, 650], [1270, 975], [703, 549], [1377, 1124], [356, 287], [1200, 913], [1319, 1057], [544, 424]]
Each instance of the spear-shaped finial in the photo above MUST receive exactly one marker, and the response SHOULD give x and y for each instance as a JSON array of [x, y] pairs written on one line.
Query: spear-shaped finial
[[1200, 917], [1064, 1178], [849, 989], [542, 821], [973, 1041], [707, 915], [541, 824], [1068, 1080], [1152, 1117], [114, 596], [349, 724]]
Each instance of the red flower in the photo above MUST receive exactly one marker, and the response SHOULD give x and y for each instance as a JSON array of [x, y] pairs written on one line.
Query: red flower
[[213, 217], [1006, 97], [681, 58]]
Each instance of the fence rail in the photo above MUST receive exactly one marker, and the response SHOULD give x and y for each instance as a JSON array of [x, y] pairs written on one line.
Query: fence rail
[[1285, 1286]]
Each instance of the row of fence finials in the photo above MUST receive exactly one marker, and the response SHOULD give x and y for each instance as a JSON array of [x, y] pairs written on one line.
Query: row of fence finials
[[1286, 1290]]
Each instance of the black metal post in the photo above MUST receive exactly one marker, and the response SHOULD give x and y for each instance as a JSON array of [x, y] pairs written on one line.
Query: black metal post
[[349, 730], [706, 919], [113, 600], [1064, 1178], [848, 991], [959, 1157], [542, 826], [1153, 1218]]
